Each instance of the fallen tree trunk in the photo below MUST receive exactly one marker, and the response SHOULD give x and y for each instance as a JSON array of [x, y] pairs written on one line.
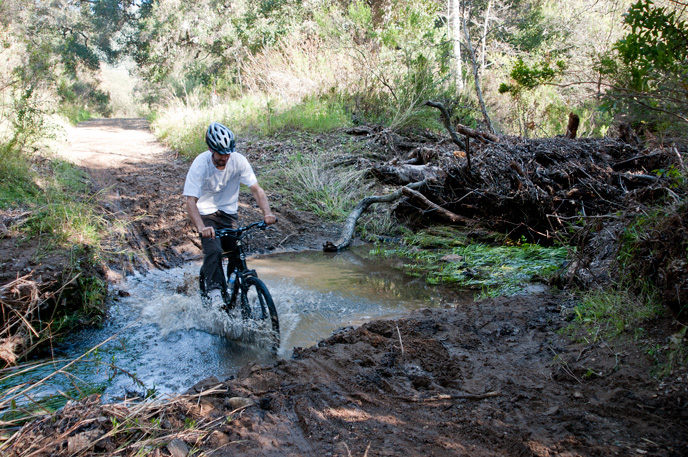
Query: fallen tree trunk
[[405, 174], [484, 137], [350, 223], [408, 190]]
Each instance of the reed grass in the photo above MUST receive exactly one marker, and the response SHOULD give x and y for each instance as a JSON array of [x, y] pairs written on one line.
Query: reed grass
[[327, 190], [442, 256]]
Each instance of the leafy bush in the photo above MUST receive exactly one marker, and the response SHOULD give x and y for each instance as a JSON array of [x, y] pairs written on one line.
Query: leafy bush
[[399, 56], [649, 75]]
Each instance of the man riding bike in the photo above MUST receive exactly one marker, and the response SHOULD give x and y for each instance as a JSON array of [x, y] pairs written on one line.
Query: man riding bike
[[212, 197]]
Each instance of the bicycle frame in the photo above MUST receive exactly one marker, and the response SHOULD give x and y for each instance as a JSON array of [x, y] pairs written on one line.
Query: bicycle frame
[[254, 298], [238, 256]]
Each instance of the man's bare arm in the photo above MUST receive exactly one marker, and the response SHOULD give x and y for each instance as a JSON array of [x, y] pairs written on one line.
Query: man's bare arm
[[195, 216], [263, 204]]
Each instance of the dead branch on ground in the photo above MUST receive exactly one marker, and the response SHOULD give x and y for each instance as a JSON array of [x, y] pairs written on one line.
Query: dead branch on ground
[[445, 214], [350, 223], [484, 137], [408, 191]]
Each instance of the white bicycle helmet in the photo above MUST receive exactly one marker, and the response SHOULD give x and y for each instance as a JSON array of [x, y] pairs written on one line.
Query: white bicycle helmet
[[220, 139]]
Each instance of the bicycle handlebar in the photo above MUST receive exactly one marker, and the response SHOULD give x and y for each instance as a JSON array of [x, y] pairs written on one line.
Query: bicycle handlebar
[[237, 232]]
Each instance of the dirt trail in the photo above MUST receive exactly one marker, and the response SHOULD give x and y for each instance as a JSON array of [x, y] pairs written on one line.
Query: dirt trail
[[141, 182], [495, 378]]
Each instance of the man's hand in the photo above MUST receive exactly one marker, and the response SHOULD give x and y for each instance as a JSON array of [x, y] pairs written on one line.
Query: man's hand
[[208, 232], [262, 200]]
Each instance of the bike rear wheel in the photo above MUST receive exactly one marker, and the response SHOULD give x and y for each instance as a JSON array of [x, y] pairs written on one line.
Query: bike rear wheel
[[257, 304]]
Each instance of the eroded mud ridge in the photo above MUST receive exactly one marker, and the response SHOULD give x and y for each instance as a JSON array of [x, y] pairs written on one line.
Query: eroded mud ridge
[[484, 380]]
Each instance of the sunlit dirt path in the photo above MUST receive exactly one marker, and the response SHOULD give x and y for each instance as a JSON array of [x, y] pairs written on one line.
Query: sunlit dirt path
[[138, 181]]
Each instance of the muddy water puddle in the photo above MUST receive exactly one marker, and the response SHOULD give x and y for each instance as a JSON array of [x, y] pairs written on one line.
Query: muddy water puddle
[[161, 337]]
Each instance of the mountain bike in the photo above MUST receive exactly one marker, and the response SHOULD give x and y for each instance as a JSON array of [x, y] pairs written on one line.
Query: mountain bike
[[255, 301]]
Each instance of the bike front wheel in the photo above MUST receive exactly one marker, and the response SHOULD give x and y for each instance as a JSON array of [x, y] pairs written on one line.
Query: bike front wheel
[[257, 305]]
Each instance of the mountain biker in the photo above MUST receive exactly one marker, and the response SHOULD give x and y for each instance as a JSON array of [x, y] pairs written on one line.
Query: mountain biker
[[212, 196]]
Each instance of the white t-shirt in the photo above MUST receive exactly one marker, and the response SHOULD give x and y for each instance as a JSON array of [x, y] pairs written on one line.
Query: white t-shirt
[[218, 189]]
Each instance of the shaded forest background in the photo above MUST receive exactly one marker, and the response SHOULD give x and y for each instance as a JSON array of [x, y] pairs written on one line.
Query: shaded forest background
[[513, 67]]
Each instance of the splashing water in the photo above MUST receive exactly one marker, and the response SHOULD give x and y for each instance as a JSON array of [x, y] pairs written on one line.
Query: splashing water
[[163, 338]]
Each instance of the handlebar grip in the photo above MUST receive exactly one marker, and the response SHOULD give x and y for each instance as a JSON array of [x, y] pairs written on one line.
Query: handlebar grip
[[262, 225]]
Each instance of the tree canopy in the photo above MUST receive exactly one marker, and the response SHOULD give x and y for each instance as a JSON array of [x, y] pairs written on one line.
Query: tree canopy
[[530, 62]]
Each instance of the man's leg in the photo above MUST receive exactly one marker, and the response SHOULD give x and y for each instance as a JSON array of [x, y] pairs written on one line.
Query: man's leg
[[212, 251]]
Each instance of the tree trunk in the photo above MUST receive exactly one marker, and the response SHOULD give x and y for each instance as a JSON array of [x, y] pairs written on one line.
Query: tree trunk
[[350, 223], [484, 38], [454, 15], [476, 78]]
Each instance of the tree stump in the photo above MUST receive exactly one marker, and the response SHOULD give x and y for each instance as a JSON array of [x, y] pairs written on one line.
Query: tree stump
[[572, 128]]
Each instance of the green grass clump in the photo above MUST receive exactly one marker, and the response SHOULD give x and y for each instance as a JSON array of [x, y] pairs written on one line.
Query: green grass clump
[[444, 256], [608, 314], [75, 113], [329, 192], [17, 184], [53, 197], [622, 315], [54, 200], [438, 237], [183, 123], [314, 115]]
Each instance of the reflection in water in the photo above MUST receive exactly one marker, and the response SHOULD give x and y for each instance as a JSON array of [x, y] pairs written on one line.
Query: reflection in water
[[165, 338]]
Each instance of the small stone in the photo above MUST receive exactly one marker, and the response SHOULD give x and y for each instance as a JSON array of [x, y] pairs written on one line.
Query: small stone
[[552, 410], [178, 448], [240, 402], [82, 441], [218, 439]]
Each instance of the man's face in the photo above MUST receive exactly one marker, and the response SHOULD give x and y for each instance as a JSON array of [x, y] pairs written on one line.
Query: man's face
[[220, 160]]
